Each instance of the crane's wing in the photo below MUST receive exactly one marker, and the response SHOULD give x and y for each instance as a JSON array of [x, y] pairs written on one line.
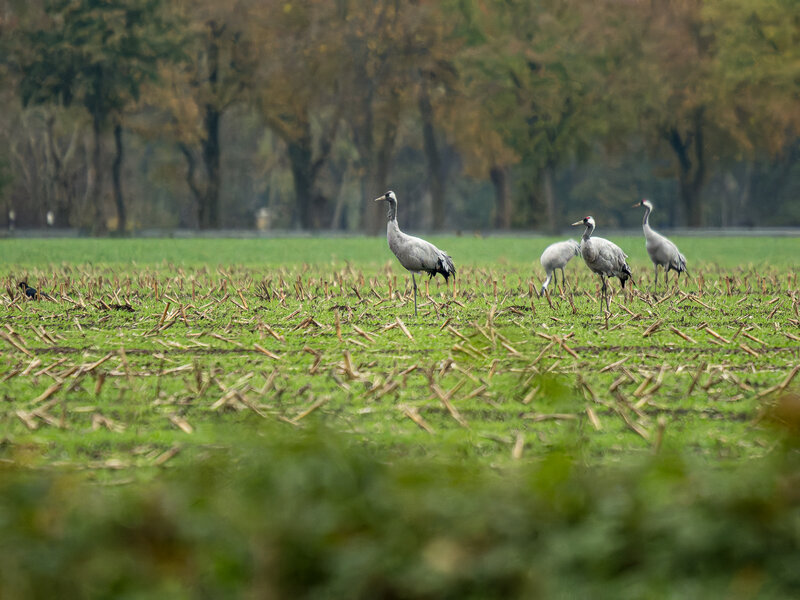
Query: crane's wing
[[664, 252], [557, 255], [416, 254], [613, 261]]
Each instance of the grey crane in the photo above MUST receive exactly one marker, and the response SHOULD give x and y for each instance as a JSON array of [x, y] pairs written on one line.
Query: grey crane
[[556, 256], [415, 254], [603, 257], [662, 251]]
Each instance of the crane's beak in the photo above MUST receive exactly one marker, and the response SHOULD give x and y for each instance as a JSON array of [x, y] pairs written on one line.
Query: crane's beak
[[379, 198], [637, 205], [577, 223]]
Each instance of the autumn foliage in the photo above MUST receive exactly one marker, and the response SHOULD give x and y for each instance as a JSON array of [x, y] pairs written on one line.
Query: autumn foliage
[[131, 114]]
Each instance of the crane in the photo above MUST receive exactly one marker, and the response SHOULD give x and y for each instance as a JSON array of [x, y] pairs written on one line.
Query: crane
[[603, 257], [556, 256], [415, 254], [662, 251]]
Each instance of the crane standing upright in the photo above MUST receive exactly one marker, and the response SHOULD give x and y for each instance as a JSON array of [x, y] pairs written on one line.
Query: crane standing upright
[[556, 256], [415, 254], [603, 257], [662, 251]]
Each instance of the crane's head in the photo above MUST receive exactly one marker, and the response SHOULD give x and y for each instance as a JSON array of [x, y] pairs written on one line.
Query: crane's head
[[391, 199], [588, 221], [388, 196], [644, 202]]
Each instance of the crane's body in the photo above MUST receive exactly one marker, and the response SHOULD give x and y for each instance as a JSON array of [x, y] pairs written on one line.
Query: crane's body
[[603, 257], [556, 256], [415, 254], [661, 250]]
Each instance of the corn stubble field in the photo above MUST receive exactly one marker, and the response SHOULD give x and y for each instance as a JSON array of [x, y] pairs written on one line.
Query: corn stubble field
[[268, 418], [130, 366]]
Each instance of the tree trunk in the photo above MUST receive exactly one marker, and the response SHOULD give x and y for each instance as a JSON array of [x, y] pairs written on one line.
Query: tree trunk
[[300, 159], [95, 179], [209, 209], [300, 153], [383, 162], [338, 219], [209, 215], [502, 213], [116, 172], [435, 171], [59, 161], [364, 139], [691, 169], [311, 210], [549, 194], [375, 164], [690, 201], [191, 169]]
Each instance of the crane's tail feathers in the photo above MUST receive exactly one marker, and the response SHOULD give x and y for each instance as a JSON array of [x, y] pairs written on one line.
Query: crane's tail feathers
[[444, 267], [625, 274]]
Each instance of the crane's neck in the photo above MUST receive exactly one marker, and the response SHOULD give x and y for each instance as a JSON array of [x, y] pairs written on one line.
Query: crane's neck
[[392, 228], [646, 219], [392, 214], [588, 233]]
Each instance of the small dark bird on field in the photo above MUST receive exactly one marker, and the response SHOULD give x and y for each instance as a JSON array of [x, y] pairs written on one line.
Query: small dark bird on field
[[415, 254], [661, 250], [603, 257], [32, 292]]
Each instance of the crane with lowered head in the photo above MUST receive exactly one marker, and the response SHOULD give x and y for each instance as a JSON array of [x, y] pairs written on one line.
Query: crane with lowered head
[[556, 256]]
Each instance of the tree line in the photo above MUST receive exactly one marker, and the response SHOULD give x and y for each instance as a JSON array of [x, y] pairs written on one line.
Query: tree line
[[129, 114]]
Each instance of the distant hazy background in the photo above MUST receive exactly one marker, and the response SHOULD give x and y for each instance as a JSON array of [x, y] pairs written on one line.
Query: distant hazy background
[[479, 114]]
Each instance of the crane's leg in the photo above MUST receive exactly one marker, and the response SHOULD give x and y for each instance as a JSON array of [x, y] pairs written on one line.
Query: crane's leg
[[603, 292], [655, 284], [546, 283], [414, 281], [563, 280]]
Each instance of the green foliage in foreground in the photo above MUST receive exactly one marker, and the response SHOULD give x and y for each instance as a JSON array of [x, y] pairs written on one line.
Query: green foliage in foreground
[[308, 515]]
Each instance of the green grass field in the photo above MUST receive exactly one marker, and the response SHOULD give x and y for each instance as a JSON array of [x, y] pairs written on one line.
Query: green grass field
[[466, 250], [216, 339], [158, 356]]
